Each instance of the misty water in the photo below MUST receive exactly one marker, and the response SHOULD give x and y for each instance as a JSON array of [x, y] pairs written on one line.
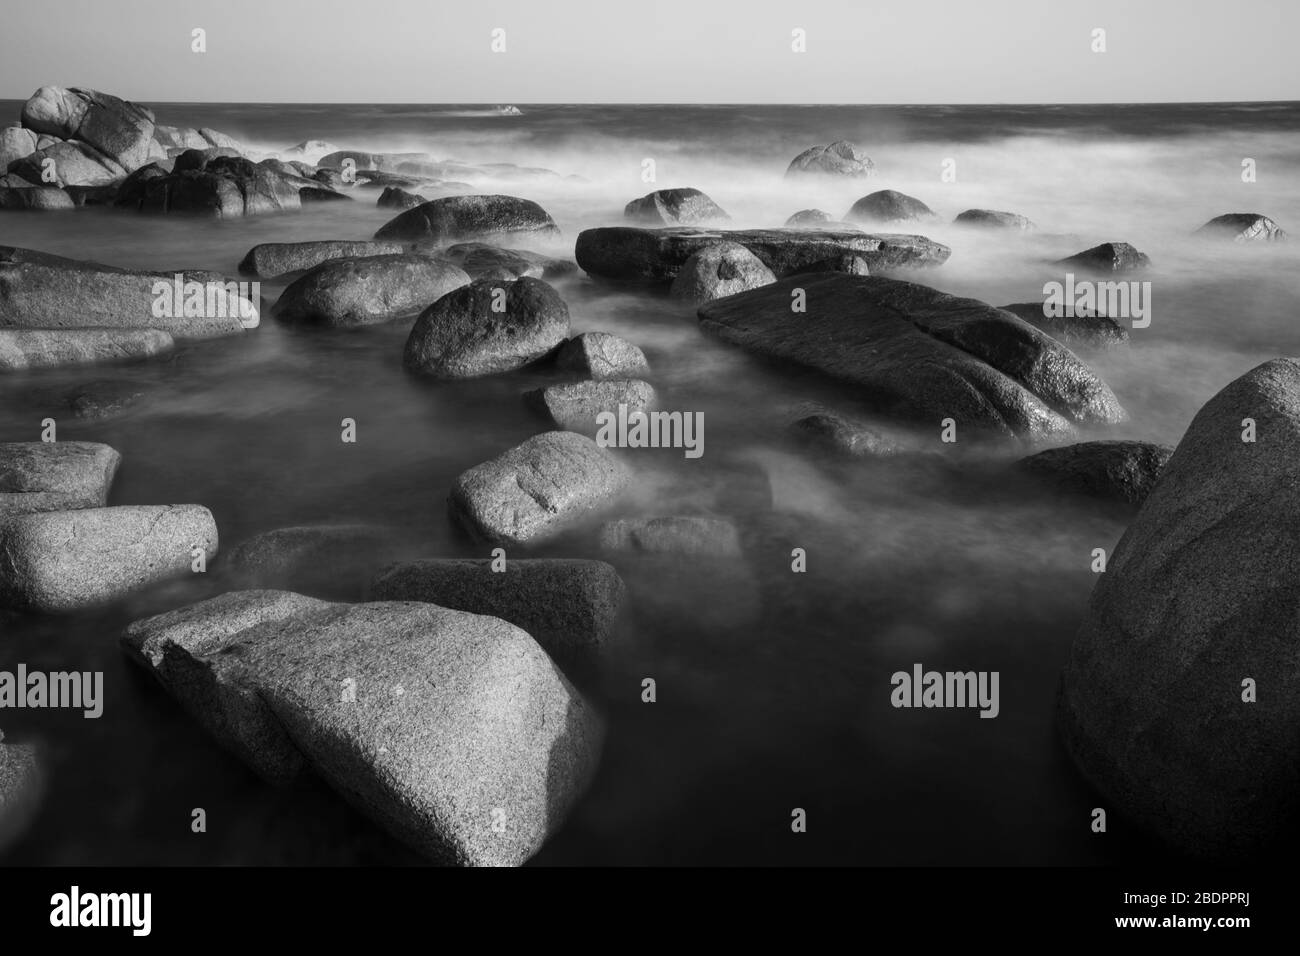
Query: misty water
[[773, 688]]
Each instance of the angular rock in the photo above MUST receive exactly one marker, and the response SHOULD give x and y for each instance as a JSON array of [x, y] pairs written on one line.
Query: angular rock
[[575, 406], [1091, 331], [224, 187], [919, 353], [15, 143], [502, 218], [1108, 257], [1199, 595], [1122, 471], [22, 349], [62, 561], [537, 488], [121, 130], [1243, 227], [335, 559], [657, 255], [674, 207], [344, 293], [462, 335], [35, 197], [270, 259], [394, 197], [993, 219], [888, 205], [55, 476], [601, 355], [840, 158], [569, 606], [483, 261], [692, 535], [719, 270]]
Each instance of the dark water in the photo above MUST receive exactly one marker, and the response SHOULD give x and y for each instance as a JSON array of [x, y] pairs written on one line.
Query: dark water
[[773, 687]]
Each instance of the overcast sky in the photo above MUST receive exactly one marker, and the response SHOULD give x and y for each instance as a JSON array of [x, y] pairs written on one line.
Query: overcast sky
[[655, 51]]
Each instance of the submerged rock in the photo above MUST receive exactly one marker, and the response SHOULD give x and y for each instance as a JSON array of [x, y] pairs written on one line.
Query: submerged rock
[[103, 398], [537, 488], [722, 269], [841, 435], [22, 349], [1197, 608], [270, 259], [888, 205], [451, 218], [691, 535], [601, 355], [1123, 471], [55, 476], [840, 158], [575, 406], [330, 559], [484, 261], [674, 207], [1243, 227], [344, 293], [993, 219], [1092, 331], [1108, 257]]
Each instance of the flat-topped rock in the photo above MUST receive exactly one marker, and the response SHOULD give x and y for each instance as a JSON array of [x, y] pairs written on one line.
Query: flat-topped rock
[[22, 349], [270, 259], [55, 476]]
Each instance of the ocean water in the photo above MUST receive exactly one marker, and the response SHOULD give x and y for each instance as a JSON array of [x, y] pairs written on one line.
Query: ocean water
[[773, 687]]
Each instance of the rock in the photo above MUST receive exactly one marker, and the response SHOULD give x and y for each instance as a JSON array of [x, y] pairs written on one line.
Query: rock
[[332, 179], [43, 291], [1199, 595], [569, 606], [15, 143], [445, 220], [601, 355], [55, 476], [69, 560], [574, 406], [197, 160], [537, 488], [22, 349], [840, 158], [1092, 331], [1243, 227], [887, 205], [483, 261], [809, 219], [840, 435], [685, 535], [462, 336], [21, 786], [121, 130], [172, 138], [224, 187], [1108, 257], [1123, 471], [344, 293], [847, 263], [623, 252], [311, 151], [394, 197], [722, 269], [992, 219], [444, 718], [674, 207], [74, 164], [102, 399], [920, 353], [270, 259], [35, 197], [92, 195], [331, 560]]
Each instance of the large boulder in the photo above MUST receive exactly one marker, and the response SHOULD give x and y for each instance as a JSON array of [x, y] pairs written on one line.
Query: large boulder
[[1120, 471], [61, 561], [576, 406], [601, 355], [500, 218], [657, 255], [569, 606], [271, 259], [343, 293], [22, 349], [43, 291], [719, 270], [222, 186], [1179, 701], [889, 206], [55, 476], [121, 130], [1108, 257], [537, 489], [487, 327], [919, 353], [1089, 331], [73, 164], [674, 207], [453, 731], [41, 198], [840, 158], [994, 219], [1243, 227]]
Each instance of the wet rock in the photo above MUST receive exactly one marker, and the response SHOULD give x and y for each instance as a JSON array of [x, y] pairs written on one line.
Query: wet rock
[[575, 406], [993, 219], [841, 435], [270, 259], [335, 560], [224, 187], [550, 482], [888, 205], [36, 198], [55, 476], [722, 269], [1089, 331], [1108, 257], [1122, 471], [102, 399], [692, 535], [847, 263], [1243, 227], [120, 130], [484, 261], [344, 293], [21, 786], [601, 355], [63, 561], [394, 197], [674, 207], [462, 335], [503, 218], [840, 158], [22, 349]]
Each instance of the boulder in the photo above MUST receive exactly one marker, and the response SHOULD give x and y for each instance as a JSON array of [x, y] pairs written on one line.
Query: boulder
[[1121, 471], [502, 218], [35, 198], [174, 138], [55, 476], [674, 207], [270, 259], [810, 219], [61, 561], [484, 261], [73, 164], [601, 355], [1090, 331], [993, 219], [15, 143], [888, 205], [919, 353], [569, 606], [1242, 227], [22, 349], [690, 535], [575, 406], [840, 158], [840, 435], [332, 560], [657, 255], [120, 130], [344, 293], [463, 334], [847, 263], [394, 197], [1108, 257], [537, 488], [224, 187], [719, 270], [1199, 596]]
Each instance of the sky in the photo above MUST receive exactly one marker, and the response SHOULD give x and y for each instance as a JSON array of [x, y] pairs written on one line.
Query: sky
[[655, 51]]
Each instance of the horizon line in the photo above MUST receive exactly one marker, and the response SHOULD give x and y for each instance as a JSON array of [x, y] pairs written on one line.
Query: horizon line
[[493, 103]]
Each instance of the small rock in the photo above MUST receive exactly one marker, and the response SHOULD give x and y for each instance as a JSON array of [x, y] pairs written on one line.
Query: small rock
[[1108, 257], [35, 198], [686, 535], [993, 219], [888, 205], [21, 786], [1243, 227], [719, 270], [601, 355], [840, 158], [842, 435], [575, 407], [674, 207], [1123, 471], [483, 261], [394, 197]]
